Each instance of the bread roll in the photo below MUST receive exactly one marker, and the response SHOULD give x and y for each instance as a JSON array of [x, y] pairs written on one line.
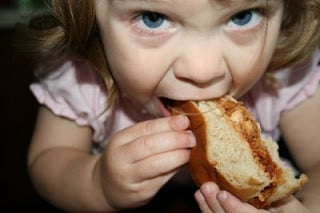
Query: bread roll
[[231, 152]]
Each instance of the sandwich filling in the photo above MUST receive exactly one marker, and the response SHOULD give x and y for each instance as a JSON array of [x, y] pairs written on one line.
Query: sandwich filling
[[248, 128]]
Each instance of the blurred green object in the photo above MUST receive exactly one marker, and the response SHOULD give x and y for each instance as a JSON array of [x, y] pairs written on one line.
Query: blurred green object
[[20, 11], [30, 4]]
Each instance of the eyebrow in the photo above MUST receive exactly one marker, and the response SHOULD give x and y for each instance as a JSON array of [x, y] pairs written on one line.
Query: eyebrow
[[140, 1], [237, 2]]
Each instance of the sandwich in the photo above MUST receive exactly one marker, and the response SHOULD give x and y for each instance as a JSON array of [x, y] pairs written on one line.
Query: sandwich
[[232, 152]]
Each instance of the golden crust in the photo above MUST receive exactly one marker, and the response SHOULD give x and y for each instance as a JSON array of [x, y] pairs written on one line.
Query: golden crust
[[201, 169]]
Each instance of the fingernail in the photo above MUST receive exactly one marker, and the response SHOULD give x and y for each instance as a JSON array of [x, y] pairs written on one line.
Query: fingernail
[[223, 195], [209, 188], [193, 141], [198, 196]]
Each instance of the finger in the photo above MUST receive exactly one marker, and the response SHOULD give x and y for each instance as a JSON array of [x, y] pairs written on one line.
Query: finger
[[148, 146], [231, 204], [202, 202], [210, 190], [161, 164], [173, 123]]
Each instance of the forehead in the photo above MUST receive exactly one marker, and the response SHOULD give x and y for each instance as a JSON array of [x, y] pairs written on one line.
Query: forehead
[[223, 4], [220, 4]]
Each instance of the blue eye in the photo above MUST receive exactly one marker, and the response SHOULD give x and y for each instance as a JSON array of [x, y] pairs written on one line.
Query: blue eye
[[242, 18], [245, 19], [153, 21]]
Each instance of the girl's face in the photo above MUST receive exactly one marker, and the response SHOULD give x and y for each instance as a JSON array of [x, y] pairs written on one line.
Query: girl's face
[[187, 49]]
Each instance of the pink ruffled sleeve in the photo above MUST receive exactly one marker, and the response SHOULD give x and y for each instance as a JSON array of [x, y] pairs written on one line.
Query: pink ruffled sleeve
[[297, 84], [76, 92]]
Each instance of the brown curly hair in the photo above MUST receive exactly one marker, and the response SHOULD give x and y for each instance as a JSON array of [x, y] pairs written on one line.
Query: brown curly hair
[[71, 31]]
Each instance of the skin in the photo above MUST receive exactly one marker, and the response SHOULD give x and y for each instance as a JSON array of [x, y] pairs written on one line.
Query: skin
[[186, 57]]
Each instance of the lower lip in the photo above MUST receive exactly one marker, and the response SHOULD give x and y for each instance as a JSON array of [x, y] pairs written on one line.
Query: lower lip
[[164, 111]]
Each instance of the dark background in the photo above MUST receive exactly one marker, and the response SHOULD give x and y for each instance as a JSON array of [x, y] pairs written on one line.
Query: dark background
[[18, 109]]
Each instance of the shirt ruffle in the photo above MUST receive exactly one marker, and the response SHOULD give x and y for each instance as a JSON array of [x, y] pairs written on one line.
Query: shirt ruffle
[[75, 92]]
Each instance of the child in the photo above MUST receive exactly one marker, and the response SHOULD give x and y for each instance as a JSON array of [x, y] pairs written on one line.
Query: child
[[105, 140]]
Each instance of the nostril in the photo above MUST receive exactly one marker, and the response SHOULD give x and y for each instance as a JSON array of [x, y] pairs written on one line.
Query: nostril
[[203, 81]]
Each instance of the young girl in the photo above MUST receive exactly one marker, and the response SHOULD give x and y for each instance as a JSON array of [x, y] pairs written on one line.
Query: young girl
[[105, 140]]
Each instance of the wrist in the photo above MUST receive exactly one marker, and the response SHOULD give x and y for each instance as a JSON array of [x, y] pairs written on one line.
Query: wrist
[[98, 180]]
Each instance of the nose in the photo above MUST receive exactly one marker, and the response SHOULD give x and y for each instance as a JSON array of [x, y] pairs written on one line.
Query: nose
[[200, 63]]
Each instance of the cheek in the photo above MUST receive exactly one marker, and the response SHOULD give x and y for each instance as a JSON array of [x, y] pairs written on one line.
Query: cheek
[[136, 73], [246, 76], [253, 64], [243, 82], [136, 69], [126, 73]]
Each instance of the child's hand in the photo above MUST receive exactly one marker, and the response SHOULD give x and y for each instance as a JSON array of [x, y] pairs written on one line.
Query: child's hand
[[212, 200], [139, 160]]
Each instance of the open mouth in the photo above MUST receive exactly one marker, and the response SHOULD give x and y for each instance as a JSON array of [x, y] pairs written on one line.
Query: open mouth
[[166, 106]]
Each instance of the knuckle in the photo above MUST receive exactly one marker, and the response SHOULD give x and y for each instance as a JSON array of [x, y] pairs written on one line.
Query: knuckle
[[177, 142], [183, 156], [181, 140], [180, 158], [155, 165], [148, 145], [149, 127]]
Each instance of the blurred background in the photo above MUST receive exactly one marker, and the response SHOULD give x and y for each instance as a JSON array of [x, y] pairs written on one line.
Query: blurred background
[[18, 109]]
